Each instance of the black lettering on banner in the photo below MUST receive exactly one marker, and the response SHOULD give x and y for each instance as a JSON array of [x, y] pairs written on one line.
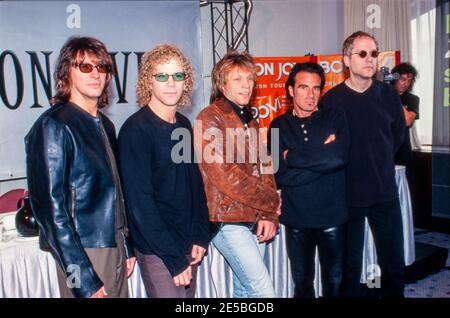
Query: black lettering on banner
[[121, 89], [42, 74], [46, 80], [19, 79]]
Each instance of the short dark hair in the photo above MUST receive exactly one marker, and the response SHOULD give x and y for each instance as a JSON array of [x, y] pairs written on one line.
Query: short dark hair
[[78, 47], [308, 67], [405, 68]]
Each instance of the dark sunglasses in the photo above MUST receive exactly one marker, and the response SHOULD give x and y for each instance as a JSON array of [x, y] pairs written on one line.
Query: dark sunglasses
[[87, 68], [362, 54], [164, 77]]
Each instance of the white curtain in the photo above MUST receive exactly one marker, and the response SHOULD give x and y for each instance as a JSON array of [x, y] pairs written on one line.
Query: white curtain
[[393, 30], [409, 27], [423, 34]]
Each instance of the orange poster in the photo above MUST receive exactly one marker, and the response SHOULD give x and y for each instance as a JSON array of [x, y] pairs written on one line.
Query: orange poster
[[335, 70]]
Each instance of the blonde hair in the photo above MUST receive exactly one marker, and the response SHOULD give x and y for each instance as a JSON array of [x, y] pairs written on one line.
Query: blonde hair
[[150, 60], [221, 70]]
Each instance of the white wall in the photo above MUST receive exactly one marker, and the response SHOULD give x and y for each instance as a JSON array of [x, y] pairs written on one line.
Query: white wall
[[296, 27]]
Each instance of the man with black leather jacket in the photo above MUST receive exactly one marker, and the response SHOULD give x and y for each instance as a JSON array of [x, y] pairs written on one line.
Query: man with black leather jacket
[[73, 179]]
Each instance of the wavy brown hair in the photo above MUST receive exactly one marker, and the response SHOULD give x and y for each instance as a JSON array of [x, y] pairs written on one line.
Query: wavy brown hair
[[233, 58], [150, 60], [73, 52]]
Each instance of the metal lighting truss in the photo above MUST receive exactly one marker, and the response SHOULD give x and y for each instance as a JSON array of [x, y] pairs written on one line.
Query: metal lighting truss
[[229, 25]]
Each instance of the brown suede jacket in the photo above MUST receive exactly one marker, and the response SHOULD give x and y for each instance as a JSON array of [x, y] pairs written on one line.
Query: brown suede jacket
[[236, 190]]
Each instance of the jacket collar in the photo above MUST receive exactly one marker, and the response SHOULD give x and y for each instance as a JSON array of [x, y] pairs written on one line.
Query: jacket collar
[[230, 115]]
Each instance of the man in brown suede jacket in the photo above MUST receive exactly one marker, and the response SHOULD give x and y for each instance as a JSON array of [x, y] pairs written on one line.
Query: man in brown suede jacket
[[242, 199]]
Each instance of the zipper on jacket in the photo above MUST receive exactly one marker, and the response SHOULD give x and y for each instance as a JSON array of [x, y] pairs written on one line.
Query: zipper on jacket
[[73, 203]]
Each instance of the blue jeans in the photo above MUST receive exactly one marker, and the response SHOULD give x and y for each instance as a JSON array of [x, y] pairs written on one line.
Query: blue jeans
[[240, 248]]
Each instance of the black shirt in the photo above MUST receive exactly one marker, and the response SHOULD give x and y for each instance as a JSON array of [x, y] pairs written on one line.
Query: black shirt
[[165, 199], [404, 155], [312, 178], [377, 127], [244, 113]]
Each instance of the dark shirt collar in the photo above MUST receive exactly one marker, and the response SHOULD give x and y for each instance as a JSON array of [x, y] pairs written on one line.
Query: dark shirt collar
[[245, 113], [306, 119]]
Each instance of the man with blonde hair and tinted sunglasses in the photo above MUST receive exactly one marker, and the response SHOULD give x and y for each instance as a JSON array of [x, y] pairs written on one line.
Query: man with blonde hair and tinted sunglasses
[[377, 126], [165, 196]]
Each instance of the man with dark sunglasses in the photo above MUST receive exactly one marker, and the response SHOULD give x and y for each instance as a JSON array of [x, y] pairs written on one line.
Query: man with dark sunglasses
[[87, 68], [377, 126], [165, 196], [73, 179]]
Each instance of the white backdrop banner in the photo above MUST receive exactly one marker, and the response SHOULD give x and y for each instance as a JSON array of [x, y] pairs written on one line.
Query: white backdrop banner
[[32, 33]]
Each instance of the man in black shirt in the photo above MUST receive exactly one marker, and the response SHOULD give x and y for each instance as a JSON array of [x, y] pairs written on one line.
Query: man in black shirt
[[163, 191], [313, 147], [410, 102], [377, 126]]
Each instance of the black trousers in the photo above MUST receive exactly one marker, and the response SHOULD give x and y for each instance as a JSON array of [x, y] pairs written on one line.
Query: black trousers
[[301, 247], [385, 220]]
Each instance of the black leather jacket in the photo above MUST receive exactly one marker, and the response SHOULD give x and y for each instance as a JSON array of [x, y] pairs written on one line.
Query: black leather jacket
[[72, 189]]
